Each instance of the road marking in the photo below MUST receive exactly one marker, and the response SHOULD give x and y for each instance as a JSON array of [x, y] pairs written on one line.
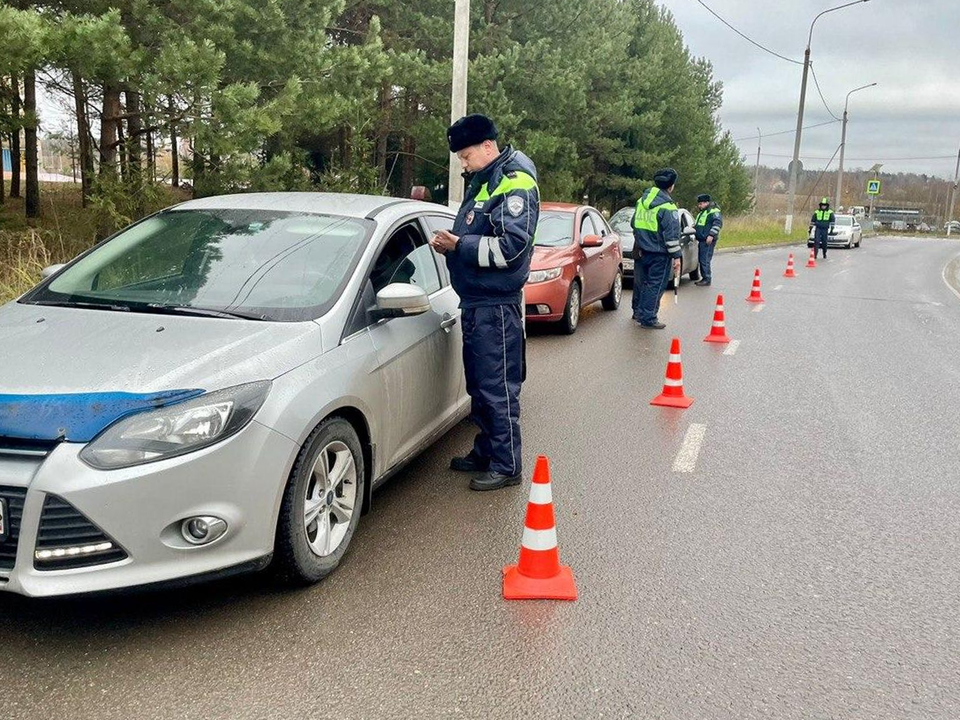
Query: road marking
[[758, 308], [943, 276], [779, 287], [686, 461], [732, 347]]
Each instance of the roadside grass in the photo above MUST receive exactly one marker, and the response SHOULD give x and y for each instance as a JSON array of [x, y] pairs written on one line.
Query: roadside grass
[[749, 230], [64, 230]]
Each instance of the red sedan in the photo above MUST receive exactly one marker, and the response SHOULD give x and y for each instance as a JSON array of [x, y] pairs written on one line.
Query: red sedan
[[577, 261]]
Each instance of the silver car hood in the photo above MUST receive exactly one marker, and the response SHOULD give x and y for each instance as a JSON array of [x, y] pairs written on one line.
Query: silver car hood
[[73, 350]]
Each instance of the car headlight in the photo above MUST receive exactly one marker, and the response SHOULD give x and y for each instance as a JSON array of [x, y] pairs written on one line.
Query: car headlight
[[539, 276], [177, 429]]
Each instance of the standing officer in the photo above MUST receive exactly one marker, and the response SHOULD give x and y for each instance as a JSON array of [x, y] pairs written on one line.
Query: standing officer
[[823, 220], [707, 228], [488, 255], [656, 233]]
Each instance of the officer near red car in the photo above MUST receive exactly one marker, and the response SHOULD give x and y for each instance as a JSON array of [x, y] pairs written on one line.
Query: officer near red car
[[656, 234], [488, 254]]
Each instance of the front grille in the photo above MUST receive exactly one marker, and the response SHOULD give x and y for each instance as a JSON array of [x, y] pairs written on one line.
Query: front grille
[[26, 448], [8, 548], [70, 539]]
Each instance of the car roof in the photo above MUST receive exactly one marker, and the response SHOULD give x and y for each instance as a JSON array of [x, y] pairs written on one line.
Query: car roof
[[561, 206], [343, 204]]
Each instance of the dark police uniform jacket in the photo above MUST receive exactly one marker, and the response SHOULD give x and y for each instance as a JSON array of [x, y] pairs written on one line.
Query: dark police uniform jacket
[[823, 220], [656, 224], [709, 221], [496, 226]]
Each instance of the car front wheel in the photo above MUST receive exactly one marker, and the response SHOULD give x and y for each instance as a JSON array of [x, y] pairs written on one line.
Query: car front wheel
[[321, 504], [571, 313]]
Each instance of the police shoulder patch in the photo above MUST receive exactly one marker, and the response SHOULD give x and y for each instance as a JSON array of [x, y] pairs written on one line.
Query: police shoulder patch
[[515, 205]]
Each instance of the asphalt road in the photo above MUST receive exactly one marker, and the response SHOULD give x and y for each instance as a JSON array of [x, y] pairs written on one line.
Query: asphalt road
[[805, 567]]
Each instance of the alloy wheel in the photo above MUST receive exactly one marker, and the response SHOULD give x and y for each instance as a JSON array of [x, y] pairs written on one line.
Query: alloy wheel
[[331, 498]]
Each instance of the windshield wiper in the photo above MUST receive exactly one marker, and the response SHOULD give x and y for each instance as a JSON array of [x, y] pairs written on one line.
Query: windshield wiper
[[199, 312], [90, 305]]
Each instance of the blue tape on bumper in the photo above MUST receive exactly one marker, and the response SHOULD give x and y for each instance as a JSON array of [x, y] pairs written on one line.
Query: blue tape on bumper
[[76, 417]]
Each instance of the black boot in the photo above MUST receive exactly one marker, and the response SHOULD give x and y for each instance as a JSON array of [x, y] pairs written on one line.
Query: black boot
[[491, 480], [469, 463]]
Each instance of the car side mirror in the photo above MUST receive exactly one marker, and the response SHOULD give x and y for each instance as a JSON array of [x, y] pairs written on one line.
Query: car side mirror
[[591, 241], [51, 270], [689, 231], [401, 300]]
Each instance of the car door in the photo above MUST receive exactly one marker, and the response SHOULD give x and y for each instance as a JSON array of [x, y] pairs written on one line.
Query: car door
[[610, 257], [592, 263], [688, 243], [419, 356]]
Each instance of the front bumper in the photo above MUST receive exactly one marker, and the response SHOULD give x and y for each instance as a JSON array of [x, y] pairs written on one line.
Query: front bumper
[[546, 301], [835, 241], [139, 510]]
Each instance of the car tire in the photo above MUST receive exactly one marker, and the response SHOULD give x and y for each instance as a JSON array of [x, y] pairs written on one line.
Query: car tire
[[307, 551], [694, 274], [571, 313], [612, 301]]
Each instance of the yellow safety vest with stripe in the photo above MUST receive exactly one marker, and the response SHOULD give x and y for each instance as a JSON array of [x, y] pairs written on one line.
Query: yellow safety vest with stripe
[[645, 217], [519, 181], [824, 215], [705, 215]]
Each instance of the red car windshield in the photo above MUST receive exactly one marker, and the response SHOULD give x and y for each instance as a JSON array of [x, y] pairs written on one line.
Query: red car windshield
[[554, 230]]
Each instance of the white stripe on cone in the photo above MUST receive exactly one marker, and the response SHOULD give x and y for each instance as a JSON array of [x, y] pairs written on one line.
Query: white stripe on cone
[[541, 494], [539, 539], [670, 382], [674, 358]]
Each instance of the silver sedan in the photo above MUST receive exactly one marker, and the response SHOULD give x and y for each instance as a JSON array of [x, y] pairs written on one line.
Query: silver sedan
[[219, 386]]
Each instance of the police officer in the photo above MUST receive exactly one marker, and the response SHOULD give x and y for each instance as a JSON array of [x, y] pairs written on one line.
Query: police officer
[[707, 229], [823, 220], [656, 232], [488, 255]]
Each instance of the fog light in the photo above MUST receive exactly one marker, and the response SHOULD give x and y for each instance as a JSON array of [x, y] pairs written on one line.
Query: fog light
[[543, 309], [202, 529]]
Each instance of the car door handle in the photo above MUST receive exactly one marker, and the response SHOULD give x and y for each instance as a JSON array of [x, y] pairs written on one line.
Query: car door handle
[[448, 321]]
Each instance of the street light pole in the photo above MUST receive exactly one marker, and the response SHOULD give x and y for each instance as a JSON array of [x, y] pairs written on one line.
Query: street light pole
[[953, 195], [795, 163], [843, 142], [756, 173], [458, 96]]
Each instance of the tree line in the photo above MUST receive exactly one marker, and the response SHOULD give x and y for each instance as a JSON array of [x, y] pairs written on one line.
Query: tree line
[[353, 95]]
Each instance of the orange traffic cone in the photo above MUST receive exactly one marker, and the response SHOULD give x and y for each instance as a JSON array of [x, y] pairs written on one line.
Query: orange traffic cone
[[755, 296], [812, 262], [718, 333], [539, 575], [790, 272], [672, 395]]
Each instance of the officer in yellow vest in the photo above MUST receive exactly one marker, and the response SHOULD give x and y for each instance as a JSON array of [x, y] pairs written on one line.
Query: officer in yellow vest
[[823, 220], [707, 230], [656, 247]]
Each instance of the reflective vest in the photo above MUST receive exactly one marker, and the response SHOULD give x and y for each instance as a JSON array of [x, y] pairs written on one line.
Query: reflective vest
[[705, 215], [519, 181], [646, 217], [823, 215]]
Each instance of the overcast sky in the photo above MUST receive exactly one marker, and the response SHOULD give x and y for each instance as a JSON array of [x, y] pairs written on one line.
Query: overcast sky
[[909, 48]]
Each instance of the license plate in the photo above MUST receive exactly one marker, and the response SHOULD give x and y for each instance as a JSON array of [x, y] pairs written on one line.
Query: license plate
[[628, 264], [3, 520]]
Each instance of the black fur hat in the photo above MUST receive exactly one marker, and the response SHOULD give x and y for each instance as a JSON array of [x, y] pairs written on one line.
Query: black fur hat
[[704, 198], [470, 130], [665, 178]]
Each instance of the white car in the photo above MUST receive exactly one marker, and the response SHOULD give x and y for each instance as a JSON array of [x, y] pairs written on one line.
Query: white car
[[846, 233]]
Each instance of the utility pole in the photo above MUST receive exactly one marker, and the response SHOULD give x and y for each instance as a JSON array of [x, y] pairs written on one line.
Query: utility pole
[[795, 163], [953, 194], [756, 173], [843, 143], [458, 99]]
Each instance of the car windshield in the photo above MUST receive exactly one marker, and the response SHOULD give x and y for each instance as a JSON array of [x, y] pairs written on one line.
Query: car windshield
[[554, 229], [265, 264], [622, 221], [844, 220]]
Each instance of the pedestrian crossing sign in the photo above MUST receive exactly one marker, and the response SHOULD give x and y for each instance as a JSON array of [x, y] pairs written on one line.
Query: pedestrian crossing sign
[[873, 187]]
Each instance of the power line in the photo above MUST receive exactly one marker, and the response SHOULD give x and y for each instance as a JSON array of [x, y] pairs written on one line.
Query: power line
[[869, 159], [820, 92], [749, 40], [786, 132]]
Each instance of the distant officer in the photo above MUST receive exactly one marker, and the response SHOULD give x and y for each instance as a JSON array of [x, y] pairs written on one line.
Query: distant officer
[[823, 220], [656, 233], [488, 255], [707, 228]]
